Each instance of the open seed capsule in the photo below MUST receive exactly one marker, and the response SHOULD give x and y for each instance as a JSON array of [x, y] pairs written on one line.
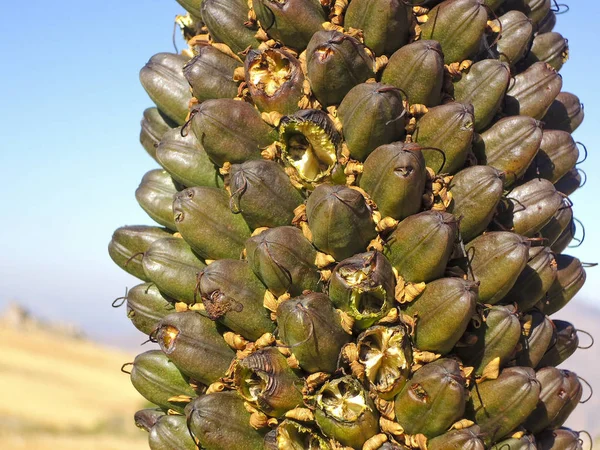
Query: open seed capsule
[[476, 192], [501, 405], [146, 306], [371, 115], [417, 69], [205, 221], [186, 161], [340, 220], [172, 265], [510, 146], [335, 64], [535, 279], [437, 332], [394, 176], [433, 399], [496, 260], [483, 86], [290, 435], [345, 412], [458, 26], [265, 379], [292, 22], [560, 394], [155, 196], [275, 80], [154, 125], [193, 343], [386, 354], [210, 74], [497, 338], [261, 191], [284, 260], [163, 80], [363, 287], [159, 381], [565, 342], [569, 280], [127, 242], [207, 414], [448, 128], [231, 131], [233, 296], [385, 23], [171, 433], [227, 22], [312, 328]]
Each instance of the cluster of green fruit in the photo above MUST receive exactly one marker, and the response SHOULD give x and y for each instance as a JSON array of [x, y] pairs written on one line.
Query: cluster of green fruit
[[363, 206]]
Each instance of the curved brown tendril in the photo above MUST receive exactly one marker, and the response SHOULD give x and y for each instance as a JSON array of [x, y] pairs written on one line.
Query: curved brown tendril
[[569, 204], [497, 19], [589, 386], [125, 365], [174, 37], [583, 177], [556, 9], [588, 335], [187, 424], [132, 257], [184, 128], [151, 337], [440, 152], [589, 437], [120, 301], [588, 265], [197, 289], [579, 241], [585, 152], [234, 198]]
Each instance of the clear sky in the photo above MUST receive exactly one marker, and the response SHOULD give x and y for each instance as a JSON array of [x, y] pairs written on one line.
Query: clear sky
[[70, 106]]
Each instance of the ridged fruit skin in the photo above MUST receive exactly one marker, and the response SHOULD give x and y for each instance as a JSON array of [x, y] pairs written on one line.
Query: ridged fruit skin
[[560, 222], [465, 439], [170, 433], [194, 344], [496, 260], [551, 48], [385, 23], [526, 442], [560, 394], [146, 306], [312, 328], [517, 33], [446, 25], [433, 399], [538, 334], [284, 260], [157, 379], [394, 177], [205, 221], [207, 414], [233, 296], [448, 128], [371, 116], [352, 433], [557, 155], [421, 245], [230, 131], [185, 160], [145, 419], [346, 63], [510, 146], [340, 221], [560, 439], [565, 113], [369, 299], [508, 401], [569, 280], [497, 339], [225, 21], [210, 74], [570, 182], [154, 125], [443, 312], [417, 69], [476, 193], [172, 265], [155, 196], [262, 193], [483, 86], [535, 279], [565, 342], [129, 243], [162, 78]]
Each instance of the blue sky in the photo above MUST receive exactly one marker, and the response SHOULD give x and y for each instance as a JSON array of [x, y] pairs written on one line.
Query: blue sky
[[69, 123]]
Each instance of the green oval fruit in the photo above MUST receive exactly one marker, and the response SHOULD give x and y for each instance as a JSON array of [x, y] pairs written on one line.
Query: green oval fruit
[[537, 335], [465, 439], [551, 48], [154, 125], [569, 280], [226, 21], [146, 306], [171, 433], [558, 154], [145, 419], [517, 33], [155, 196], [561, 439], [565, 342], [526, 442], [561, 221], [565, 113], [205, 221], [570, 182], [210, 74], [312, 329]]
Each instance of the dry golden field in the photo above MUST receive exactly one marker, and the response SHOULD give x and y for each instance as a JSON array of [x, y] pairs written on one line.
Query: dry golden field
[[61, 393]]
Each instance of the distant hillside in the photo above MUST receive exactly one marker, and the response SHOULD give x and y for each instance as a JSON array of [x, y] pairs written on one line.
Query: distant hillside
[[60, 391]]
